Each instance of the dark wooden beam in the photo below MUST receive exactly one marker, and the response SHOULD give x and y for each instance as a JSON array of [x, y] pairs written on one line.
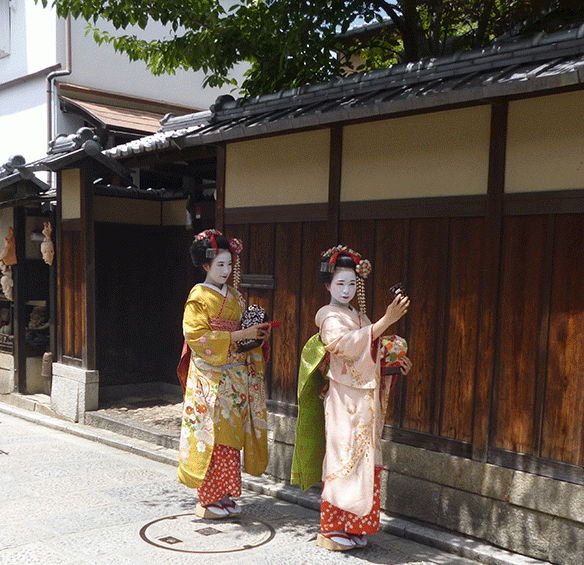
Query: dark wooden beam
[[58, 230], [152, 159], [20, 297], [88, 238], [334, 193], [53, 288], [488, 332], [220, 187]]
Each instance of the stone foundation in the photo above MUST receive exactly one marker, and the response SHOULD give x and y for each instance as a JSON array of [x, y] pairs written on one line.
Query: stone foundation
[[74, 391], [7, 384], [527, 514]]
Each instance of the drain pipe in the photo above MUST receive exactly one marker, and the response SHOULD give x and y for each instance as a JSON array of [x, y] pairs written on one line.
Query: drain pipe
[[51, 98]]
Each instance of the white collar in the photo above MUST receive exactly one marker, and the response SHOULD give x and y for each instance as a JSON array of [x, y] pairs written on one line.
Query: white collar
[[222, 291]]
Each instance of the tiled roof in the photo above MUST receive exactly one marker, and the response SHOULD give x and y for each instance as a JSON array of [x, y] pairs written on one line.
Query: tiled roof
[[508, 68], [173, 129], [18, 184], [154, 142], [64, 152]]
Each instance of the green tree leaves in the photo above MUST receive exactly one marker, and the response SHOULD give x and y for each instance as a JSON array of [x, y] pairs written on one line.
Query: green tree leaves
[[288, 44]]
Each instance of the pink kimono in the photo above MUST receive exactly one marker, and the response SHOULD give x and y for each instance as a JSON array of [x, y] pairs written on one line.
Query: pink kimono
[[354, 406]]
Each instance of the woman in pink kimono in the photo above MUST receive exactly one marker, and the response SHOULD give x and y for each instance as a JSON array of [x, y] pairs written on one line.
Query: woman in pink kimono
[[224, 407], [354, 404]]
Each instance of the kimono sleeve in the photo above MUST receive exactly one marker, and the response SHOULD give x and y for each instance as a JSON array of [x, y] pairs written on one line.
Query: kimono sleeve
[[354, 359], [210, 346]]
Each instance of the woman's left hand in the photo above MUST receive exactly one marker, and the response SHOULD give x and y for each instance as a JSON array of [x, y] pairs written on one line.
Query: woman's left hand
[[405, 365], [264, 332]]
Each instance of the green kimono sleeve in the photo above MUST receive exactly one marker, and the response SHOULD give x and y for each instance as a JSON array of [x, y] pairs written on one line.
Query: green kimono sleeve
[[309, 447]]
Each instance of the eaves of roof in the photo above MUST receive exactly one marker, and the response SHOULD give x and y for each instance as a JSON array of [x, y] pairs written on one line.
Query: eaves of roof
[[517, 68], [22, 187], [65, 152], [113, 117]]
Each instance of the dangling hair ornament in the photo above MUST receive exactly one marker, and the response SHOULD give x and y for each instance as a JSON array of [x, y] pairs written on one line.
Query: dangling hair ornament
[[236, 246], [363, 269]]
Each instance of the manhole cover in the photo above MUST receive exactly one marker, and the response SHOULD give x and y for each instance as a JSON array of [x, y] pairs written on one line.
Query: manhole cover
[[188, 534]]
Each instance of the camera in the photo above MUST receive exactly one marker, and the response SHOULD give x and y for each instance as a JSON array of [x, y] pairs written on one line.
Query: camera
[[397, 289]]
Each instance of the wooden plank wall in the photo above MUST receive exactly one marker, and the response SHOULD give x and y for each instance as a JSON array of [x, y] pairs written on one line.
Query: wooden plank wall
[[289, 252], [537, 381], [438, 396], [72, 290]]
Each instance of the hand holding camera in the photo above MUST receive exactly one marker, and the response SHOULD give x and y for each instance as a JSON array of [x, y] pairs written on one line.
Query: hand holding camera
[[399, 306]]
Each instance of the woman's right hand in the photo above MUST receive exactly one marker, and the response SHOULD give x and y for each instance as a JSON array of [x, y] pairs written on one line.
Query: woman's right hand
[[257, 331], [396, 309], [393, 313]]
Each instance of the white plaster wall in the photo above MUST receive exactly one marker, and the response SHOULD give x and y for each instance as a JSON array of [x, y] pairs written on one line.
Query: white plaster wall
[[99, 66], [32, 41], [127, 210], [23, 121], [38, 42], [71, 194], [174, 213]]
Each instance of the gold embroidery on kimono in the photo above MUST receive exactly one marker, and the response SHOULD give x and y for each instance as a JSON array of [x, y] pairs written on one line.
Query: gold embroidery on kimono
[[225, 401]]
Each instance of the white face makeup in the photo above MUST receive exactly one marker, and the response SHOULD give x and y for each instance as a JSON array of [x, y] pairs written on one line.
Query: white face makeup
[[343, 286], [220, 268]]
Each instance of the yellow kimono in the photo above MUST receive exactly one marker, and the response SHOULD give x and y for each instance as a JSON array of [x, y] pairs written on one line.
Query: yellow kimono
[[225, 400]]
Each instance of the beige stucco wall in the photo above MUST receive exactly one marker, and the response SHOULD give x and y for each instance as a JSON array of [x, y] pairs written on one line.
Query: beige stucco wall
[[144, 212], [287, 169], [174, 213], [71, 194], [545, 143], [438, 154], [127, 210]]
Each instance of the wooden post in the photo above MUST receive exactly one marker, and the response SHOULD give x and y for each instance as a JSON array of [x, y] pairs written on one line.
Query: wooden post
[[334, 194], [488, 330], [88, 238], [19, 276], [220, 187]]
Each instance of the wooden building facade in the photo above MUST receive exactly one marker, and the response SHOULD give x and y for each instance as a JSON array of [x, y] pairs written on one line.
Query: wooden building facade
[[460, 177], [490, 251]]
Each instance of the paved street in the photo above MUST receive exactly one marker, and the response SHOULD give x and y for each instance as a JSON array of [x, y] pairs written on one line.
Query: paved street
[[66, 500]]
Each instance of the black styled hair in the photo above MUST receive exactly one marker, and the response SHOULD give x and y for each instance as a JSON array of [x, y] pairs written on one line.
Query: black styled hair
[[325, 275], [199, 249]]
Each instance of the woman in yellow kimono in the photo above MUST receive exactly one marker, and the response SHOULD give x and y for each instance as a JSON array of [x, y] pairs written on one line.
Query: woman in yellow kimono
[[224, 406], [347, 353]]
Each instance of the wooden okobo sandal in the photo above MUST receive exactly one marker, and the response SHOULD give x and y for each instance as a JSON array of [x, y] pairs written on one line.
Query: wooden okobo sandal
[[213, 511], [335, 541]]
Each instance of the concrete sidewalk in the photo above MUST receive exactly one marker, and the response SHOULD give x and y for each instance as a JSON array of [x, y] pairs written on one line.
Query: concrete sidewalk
[[37, 413]]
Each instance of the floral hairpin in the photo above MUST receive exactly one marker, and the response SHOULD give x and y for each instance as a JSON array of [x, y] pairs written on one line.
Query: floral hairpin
[[206, 233], [210, 252], [363, 266]]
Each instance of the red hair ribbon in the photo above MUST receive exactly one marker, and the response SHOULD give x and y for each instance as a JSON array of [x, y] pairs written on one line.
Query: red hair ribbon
[[335, 255]]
